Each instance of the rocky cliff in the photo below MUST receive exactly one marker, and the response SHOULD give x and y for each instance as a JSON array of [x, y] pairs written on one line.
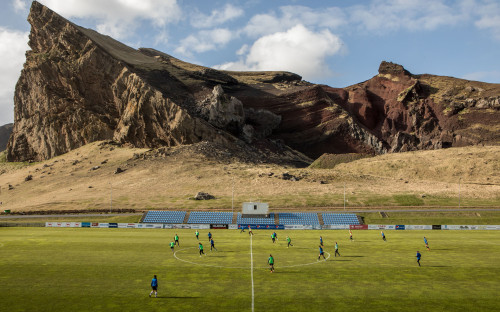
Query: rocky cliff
[[78, 86], [5, 132]]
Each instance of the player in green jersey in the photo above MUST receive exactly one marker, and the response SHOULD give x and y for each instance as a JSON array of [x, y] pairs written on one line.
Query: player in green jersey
[[172, 244], [200, 246], [271, 263], [176, 238], [197, 233], [289, 241]]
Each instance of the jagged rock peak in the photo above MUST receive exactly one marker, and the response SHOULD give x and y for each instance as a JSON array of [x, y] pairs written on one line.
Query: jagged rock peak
[[392, 69]]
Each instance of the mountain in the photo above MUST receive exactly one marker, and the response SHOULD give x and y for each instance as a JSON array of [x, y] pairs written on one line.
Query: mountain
[[5, 132], [79, 86]]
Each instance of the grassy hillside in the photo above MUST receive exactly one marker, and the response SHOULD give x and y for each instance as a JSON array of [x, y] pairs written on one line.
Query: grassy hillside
[[152, 181]]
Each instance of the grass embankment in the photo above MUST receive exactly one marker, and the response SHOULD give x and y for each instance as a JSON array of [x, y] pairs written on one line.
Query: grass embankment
[[104, 218], [111, 269], [72, 181], [454, 217]]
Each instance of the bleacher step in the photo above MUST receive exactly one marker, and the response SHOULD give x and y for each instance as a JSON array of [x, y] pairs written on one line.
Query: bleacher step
[[186, 218], [320, 218]]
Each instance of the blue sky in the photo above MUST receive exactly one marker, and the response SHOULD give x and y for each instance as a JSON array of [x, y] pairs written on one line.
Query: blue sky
[[338, 42]]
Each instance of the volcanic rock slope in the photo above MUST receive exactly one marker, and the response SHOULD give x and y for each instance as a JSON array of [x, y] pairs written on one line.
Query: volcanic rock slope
[[5, 132], [79, 86]]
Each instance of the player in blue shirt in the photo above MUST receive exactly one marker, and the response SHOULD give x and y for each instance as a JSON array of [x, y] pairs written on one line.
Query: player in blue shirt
[[209, 236], [154, 286], [426, 244], [418, 258], [321, 253], [212, 245], [321, 240], [383, 235]]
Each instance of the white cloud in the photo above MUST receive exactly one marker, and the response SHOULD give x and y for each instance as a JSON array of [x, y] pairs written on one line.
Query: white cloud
[[485, 76], [382, 16], [298, 50], [243, 50], [217, 17], [205, 40], [489, 17], [289, 16], [118, 18], [19, 5], [13, 45]]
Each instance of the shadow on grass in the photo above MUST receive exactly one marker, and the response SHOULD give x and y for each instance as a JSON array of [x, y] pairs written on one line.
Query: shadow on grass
[[353, 256], [339, 260]]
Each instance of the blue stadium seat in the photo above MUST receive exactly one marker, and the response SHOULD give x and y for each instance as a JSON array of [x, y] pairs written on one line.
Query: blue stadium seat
[[339, 218], [164, 217], [241, 220], [298, 218], [210, 217]]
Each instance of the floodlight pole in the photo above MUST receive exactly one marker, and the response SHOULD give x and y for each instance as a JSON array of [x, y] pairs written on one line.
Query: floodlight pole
[[344, 196], [232, 198], [110, 198], [459, 193]]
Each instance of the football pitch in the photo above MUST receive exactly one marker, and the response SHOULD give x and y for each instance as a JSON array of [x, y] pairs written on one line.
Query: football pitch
[[68, 269]]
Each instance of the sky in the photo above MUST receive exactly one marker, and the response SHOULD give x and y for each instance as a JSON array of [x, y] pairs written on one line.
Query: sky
[[337, 42]]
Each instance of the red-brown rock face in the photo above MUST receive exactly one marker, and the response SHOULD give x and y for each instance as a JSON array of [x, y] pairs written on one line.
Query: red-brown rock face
[[78, 86]]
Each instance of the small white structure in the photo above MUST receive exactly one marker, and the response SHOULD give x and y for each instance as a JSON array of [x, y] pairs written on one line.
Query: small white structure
[[255, 210]]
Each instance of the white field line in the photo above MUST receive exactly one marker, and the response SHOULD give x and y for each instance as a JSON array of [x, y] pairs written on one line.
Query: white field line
[[251, 272]]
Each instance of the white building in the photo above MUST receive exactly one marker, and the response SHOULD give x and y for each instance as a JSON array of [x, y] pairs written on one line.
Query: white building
[[255, 210]]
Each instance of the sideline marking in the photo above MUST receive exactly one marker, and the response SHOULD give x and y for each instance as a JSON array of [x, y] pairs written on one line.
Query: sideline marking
[[251, 265], [244, 267]]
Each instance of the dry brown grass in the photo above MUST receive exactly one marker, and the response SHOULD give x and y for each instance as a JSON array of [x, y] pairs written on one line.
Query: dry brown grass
[[427, 178]]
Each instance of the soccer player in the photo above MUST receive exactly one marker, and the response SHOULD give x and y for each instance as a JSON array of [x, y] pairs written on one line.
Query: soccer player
[[154, 287], [418, 258], [176, 238], [271, 263], [289, 241], [250, 230], [197, 233], [426, 244], [275, 236], [172, 244], [350, 235], [209, 236], [337, 249], [212, 245], [321, 241], [321, 253], [200, 246], [383, 235], [242, 229], [272, 237]]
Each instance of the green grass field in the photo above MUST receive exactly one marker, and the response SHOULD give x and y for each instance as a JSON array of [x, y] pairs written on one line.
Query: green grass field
[[50, 269]]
